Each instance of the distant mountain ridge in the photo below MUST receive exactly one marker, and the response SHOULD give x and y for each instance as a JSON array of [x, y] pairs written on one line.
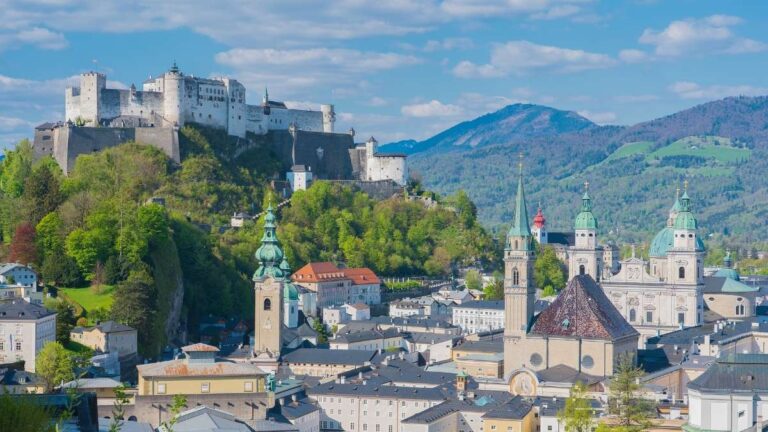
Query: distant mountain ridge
[[720, 146]]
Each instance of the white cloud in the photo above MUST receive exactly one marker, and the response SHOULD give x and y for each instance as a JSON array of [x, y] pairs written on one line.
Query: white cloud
[[377, 101], [605, 117], [433, 108], [712, 34], [293, 71], [42, 37], [13, 123], [633, 56], [691, 90], [519, 57], [557, 12], [448, 44]]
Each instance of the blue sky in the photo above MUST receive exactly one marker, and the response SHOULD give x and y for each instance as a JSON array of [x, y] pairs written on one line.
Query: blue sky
[[395, 69]]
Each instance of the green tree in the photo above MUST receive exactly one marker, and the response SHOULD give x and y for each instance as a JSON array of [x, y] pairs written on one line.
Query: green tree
[[54, 365], [473, 280], [134, 304], [42, 193], [49, 235], [494, 290], [322, 332], [625, 401], [61, 270], [577, 414], [24, 414], [548, 272], [118, 409], [178, 404], [65, 321]]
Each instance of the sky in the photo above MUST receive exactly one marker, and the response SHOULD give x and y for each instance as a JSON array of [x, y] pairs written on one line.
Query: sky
[[394, 69]]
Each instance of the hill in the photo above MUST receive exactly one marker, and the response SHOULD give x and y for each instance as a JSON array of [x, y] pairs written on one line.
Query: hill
[[721, 147]]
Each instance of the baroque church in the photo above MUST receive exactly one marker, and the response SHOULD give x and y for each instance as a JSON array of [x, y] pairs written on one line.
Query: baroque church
[[581, 336]]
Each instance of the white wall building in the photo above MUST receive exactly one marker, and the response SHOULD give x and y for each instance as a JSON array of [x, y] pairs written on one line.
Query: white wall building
[[479, 316], [173, 99], [24, 329], [17, 274]]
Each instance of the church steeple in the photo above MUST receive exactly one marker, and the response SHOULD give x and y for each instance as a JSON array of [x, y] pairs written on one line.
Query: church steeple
[[585, 220], [269, 254], [520, 231]]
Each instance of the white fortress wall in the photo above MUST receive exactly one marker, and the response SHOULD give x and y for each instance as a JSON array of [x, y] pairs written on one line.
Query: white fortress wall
[[383, 167], [281, 118]]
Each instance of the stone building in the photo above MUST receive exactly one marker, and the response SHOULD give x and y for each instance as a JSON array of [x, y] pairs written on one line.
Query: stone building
[[204, 380], [336, 286], [371, 165], [580, 333], [479, 315], [25, 329], [173, 99]]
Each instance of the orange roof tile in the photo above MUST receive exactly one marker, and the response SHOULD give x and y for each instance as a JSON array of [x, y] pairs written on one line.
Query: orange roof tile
[[362, 276], [328, 271]]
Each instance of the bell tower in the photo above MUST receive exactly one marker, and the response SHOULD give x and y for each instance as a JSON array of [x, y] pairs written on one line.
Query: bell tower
[[519, 290], [584, 257], [269, 281]]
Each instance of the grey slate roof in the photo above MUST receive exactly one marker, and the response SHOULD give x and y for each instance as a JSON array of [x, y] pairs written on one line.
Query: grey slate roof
[[382, 391], [19, 310], [491, 346], [106, 327], [411, 321], [366, 335], [328, 356], [484, 401], [562, 238], [683, 338], [293, 410], [734, 373], [516, 409], [582, 310], [565, 374], [482, 304], [12, 377], [398, 371], [429, 338], [205, 419]]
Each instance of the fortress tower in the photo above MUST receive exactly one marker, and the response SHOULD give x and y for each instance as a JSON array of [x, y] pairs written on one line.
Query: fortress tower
[[329, 117], [173, 89], [91, 86]]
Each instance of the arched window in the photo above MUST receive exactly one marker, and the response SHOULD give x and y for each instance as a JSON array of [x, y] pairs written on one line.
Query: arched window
[[632, 315], [516, 245], [267, 304], [515, 276], [681, 273], [582, 270]]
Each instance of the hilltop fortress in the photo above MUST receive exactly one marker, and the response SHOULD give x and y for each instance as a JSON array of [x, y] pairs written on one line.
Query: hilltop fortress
[[97, 117], [173, 99]]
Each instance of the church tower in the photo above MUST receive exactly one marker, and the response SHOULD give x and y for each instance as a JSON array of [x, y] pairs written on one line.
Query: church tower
[[685, 266], [519, 290], [539, 229], [584, 256], [269, 281]]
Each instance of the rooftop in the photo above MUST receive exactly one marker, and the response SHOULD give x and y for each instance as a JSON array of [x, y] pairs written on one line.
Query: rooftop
[[491, 346], [105, 327], [366, 335], [20, 310], [328, 271], [382, 391], [734, 373], [582, 310], [182, 368], [199, 347], [482, 304], [328, 356]]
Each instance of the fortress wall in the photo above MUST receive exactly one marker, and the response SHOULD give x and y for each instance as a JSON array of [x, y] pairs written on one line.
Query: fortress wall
[[304, 119], [209, 112], [72, 141], [334, 164], [71, 104], [255, 120], [387, 167]]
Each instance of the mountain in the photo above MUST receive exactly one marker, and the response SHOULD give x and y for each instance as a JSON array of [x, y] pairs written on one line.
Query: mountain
[[721, 147], [511, 122]]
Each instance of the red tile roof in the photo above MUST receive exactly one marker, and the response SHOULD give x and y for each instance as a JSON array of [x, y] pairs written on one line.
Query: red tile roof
[[327, 272]]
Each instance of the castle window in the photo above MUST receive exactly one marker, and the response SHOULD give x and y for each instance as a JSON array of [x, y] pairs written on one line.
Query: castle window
[[267, 304], [516, 244], [515, 276], [681, 273], [582, 270], [632, 315]]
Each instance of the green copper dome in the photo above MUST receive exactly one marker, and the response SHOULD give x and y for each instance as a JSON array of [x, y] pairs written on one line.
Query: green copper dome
[[685, 219], [585, 220], [269, 255], [290, 292], [664, 241]]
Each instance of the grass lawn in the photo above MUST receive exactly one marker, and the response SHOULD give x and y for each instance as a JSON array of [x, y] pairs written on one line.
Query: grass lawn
[[76, 347], [629, 149], [86, 298], [718, 148]]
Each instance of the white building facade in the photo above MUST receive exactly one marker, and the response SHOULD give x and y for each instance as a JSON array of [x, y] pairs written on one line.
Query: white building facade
[[479, 316], [24, 330]]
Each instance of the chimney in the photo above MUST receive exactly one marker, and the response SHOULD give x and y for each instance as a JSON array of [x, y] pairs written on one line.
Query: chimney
[[294, 398], [360, 375], [343, 379]]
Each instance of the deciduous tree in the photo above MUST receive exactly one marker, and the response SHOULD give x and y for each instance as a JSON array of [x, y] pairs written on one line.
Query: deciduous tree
[[23, 247], [54, 365], [577, 414]]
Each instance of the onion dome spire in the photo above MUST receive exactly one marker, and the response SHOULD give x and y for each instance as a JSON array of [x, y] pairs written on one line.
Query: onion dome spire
[[269, 255], [539, 220], [585, 220], [520, 227], [685, 219]]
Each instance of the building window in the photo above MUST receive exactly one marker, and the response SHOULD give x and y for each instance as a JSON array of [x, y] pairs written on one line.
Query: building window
[[587, 362], [632, 315], [2, 346], [515, 276], [365, 426], [648, 316], [18, 345], [248, 386], [681, 317], [161, 389], [267, 304], [681, 273], [205, 387], [582, 270]]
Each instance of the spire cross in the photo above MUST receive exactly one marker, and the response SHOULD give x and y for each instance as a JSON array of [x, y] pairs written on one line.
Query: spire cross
[[520, 163], [586, 186], [685, 185]]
